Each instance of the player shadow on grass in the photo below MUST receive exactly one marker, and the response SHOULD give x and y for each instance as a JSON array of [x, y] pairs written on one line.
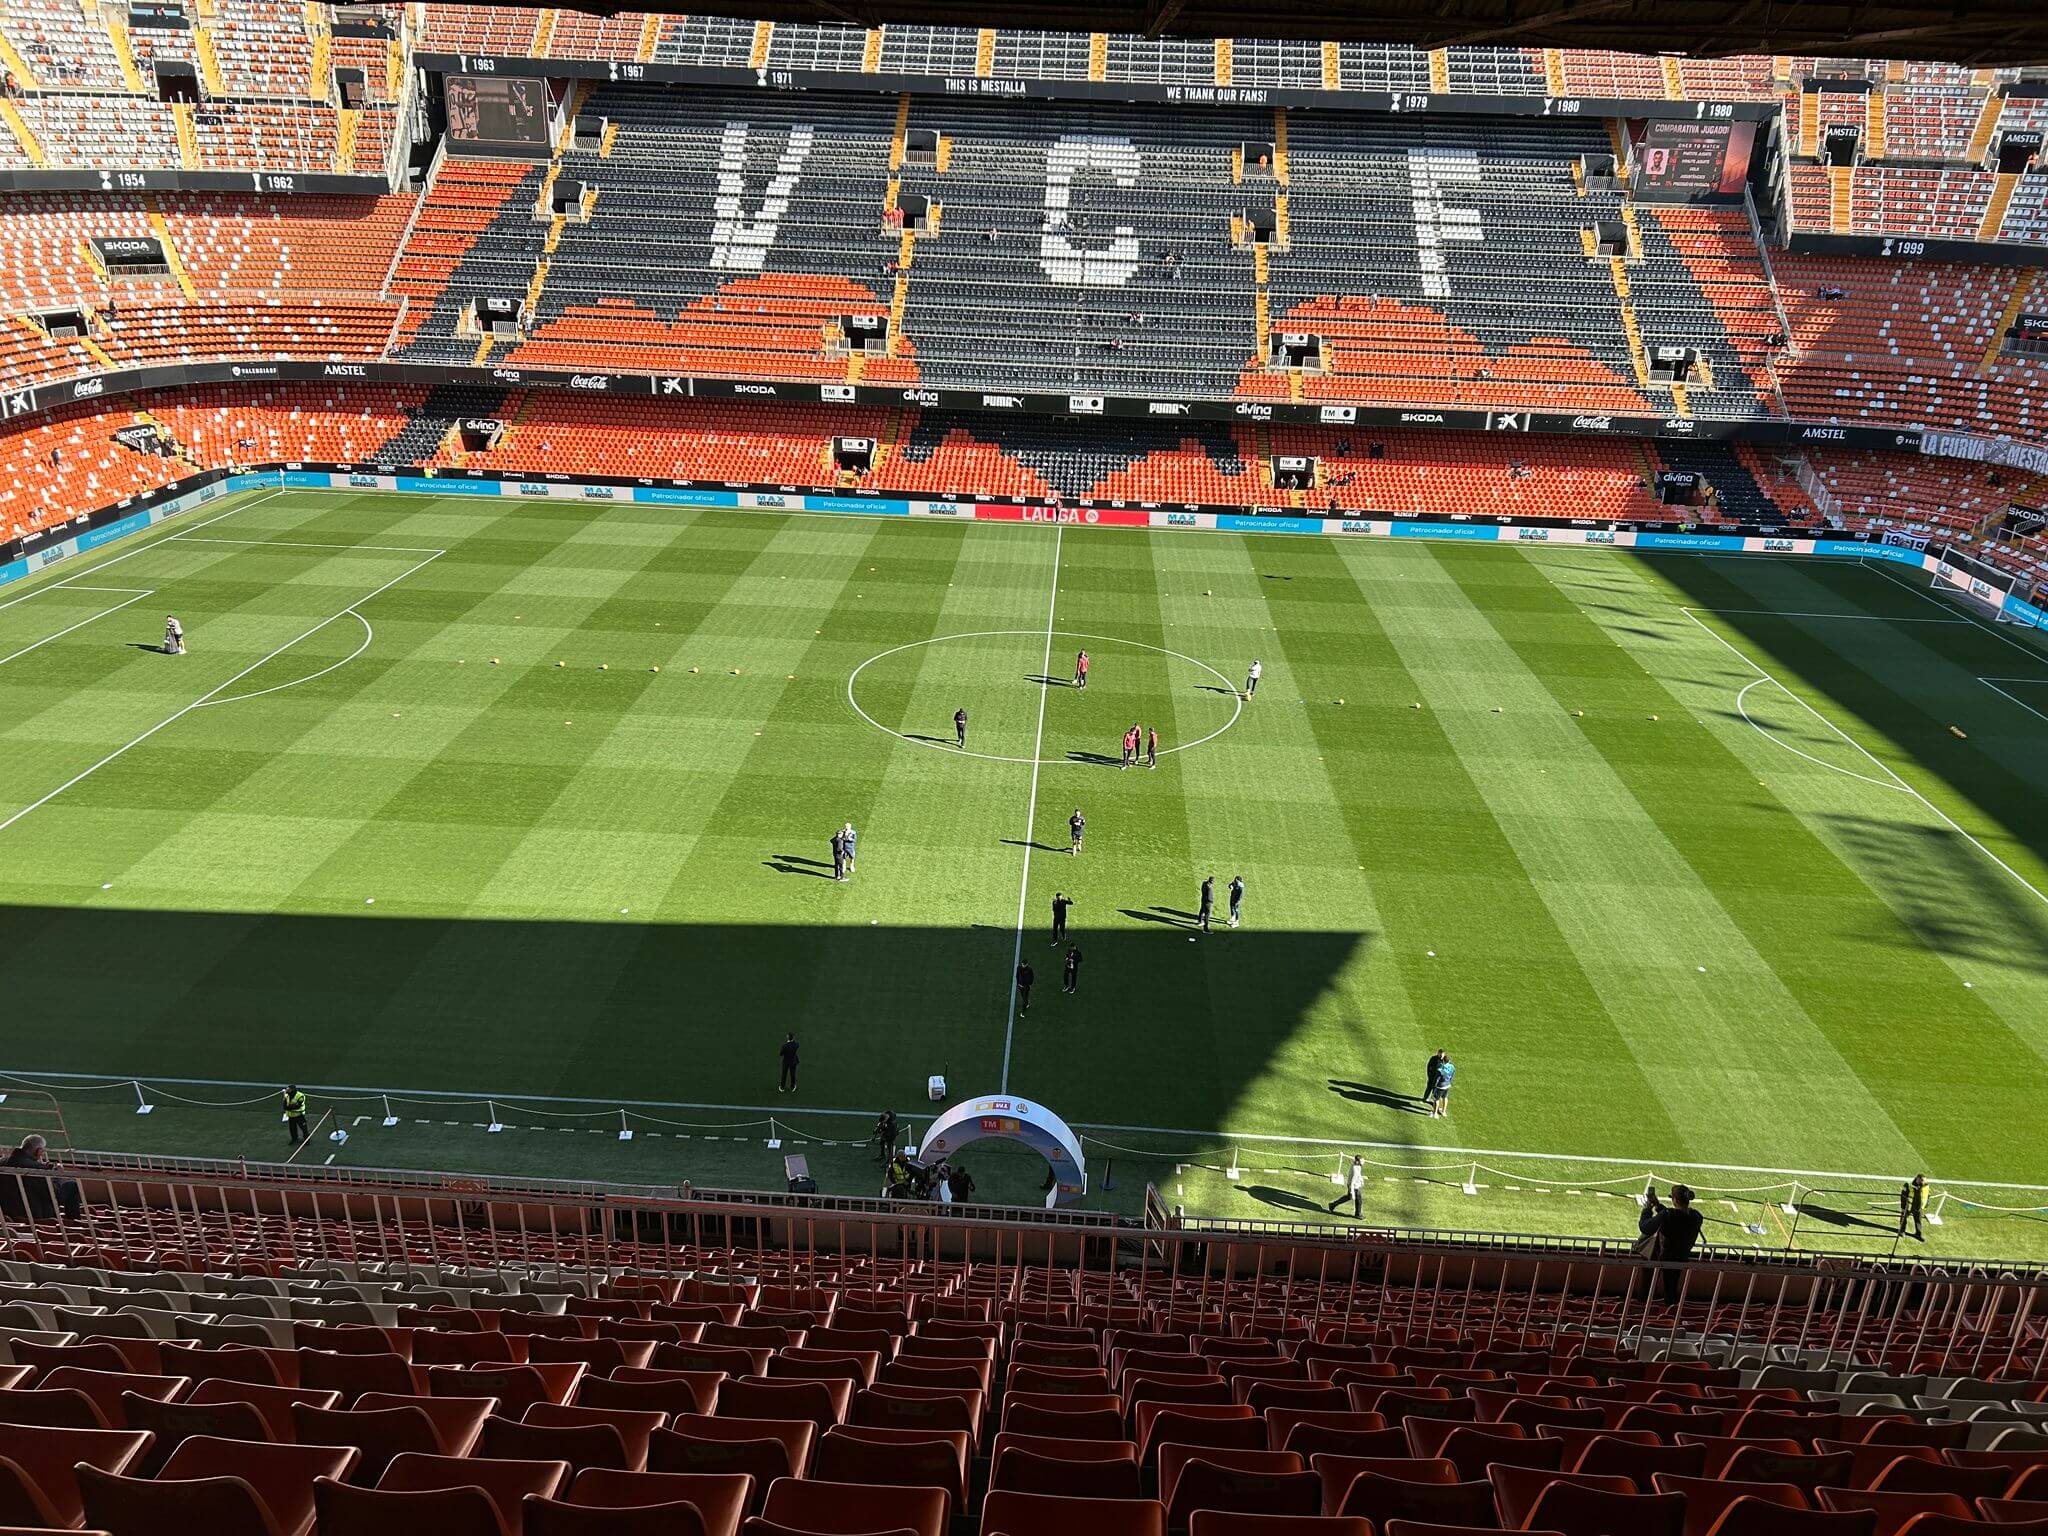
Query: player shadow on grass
[[1172, 917], [1228, 693], [1018, 842], [1101, 759], [937, 741], [796, 864], [153, 647], [1048, 682], [1372, 1093], [1835, 1217], [1285, 1199]]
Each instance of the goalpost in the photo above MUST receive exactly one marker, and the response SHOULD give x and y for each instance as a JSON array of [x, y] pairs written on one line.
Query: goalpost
[[1976, 584]]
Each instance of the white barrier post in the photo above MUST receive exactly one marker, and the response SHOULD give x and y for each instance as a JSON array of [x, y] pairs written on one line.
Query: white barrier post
[[389, 1118], [495, 1126], [142, 1105], [625, 1130], [774, 1136]]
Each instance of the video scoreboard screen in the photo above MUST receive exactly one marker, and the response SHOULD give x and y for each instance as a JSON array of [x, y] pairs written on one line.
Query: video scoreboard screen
[[1680, 161], [502, 112]]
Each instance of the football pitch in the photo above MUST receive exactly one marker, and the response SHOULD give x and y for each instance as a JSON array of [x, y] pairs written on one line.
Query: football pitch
[[472, 813]]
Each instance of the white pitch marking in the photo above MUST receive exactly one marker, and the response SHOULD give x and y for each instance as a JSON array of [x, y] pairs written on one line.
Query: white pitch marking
[[1966, 617], [1031, 812], [1777, 741], [129, 554], [138, 597], [1236, 707], [369, 634], [72, 1079], [1993, 682], [1952, 823], [394, 549], [1861, 618], [208, 696]]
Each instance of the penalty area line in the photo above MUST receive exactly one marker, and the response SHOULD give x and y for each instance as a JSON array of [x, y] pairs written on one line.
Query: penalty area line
[[1948, 820], [92, 619], [212, 694]]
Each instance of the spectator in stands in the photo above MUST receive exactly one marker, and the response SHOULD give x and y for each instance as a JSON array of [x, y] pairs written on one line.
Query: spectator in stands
[[29, 1188], [1670, 1233]]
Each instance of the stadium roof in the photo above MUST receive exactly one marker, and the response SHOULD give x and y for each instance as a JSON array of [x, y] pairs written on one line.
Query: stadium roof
[[1978, 32]]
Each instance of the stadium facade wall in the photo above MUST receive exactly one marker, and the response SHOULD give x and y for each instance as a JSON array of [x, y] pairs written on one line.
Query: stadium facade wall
[[27, 399], [1017, 88], [132, 516]]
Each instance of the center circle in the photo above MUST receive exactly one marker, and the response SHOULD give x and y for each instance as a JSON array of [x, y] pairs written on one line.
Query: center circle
[[1001, 678]]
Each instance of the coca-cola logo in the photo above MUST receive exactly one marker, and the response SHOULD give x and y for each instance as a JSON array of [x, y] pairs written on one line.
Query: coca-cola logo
[[589, 381], [1593, 423], [85, 389]]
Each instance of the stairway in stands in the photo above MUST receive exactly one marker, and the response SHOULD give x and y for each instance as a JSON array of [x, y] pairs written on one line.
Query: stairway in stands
[[1743, 497], [428, 427]]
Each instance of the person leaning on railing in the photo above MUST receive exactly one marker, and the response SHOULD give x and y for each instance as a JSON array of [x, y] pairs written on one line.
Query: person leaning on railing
[[29, 1187]]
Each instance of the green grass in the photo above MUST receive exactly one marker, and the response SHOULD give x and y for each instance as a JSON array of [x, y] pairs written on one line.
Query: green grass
[[1661, 909]]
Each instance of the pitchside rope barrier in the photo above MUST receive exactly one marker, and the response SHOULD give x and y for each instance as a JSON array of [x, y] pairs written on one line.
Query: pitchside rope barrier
[[1871, 1198]]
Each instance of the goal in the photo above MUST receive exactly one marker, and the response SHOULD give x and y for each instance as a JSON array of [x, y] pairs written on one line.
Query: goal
[[1979, 586]]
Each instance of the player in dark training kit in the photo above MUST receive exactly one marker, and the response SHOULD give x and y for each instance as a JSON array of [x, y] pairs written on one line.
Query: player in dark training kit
[[1236, 897], [1076, 825], [1025, 976], [1060, 902], [960, 728], [1151, 746], [1208, 902], [1071, 980]]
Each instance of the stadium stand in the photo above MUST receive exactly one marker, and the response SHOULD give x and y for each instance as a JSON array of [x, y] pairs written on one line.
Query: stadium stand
[[233, 1361]]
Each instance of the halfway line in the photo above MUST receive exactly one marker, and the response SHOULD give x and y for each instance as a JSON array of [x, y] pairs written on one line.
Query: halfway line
[[1031, 813]]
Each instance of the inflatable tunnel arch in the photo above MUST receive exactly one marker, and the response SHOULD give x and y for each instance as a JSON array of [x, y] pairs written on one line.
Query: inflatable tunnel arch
[[1006, 1118]]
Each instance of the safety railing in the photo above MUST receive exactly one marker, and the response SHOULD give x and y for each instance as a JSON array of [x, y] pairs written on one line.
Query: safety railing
[[132, 1212]]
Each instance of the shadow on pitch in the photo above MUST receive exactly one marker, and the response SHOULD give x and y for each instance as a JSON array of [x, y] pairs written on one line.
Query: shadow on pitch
[[1372, 1093], [1048, 682], [1282, 1199], [937, 741], [1018, 842], [796, 864], [1834, 1217], [1228, 693], [1170, 917], [1102, 759]]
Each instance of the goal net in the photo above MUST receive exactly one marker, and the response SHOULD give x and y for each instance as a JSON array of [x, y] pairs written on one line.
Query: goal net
[[1976, 584]]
